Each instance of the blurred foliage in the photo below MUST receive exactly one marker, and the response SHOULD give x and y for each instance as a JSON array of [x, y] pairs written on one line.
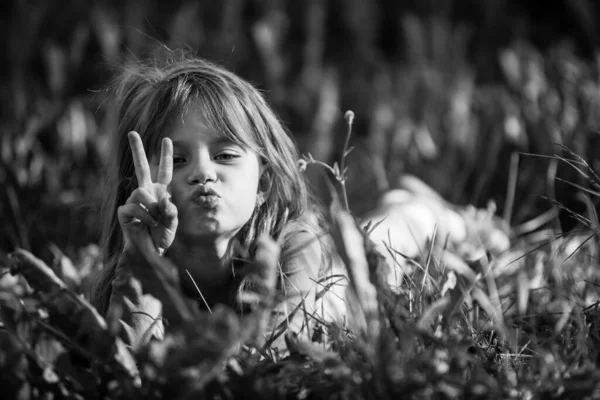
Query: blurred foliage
[[444, 90]]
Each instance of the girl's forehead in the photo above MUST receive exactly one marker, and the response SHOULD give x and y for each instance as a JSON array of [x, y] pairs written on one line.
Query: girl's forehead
[[208, 120], [192, 126], [204, 122]]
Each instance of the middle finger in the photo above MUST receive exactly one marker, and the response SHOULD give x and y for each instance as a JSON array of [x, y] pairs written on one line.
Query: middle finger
[[165, 166]]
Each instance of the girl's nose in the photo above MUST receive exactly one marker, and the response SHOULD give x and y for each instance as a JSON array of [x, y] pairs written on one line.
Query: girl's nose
[[204, 171]]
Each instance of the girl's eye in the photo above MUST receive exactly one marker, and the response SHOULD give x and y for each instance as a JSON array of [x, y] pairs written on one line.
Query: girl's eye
[[226, 156], [178, 160]]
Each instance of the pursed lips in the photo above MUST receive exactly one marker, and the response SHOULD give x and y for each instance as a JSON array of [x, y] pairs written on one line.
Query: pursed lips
[[205, 197]]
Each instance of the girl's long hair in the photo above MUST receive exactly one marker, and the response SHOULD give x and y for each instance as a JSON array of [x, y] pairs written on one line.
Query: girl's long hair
[[150, 97]]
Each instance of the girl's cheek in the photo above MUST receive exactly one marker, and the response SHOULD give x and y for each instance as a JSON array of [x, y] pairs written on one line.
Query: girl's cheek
[[178, 191]]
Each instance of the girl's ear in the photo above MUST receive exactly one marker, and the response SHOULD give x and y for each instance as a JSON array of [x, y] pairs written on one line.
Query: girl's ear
[[264, 187]]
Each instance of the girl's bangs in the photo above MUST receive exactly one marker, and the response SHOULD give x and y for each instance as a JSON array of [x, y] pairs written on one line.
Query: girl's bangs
[[220, 108], [225, 115]]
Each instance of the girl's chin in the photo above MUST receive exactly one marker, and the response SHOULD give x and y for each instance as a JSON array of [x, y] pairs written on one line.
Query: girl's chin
[[207, 226], [206, 230]]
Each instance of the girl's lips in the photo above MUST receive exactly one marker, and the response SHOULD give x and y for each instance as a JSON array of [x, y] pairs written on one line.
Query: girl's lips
[[207, 201], [205, 197]]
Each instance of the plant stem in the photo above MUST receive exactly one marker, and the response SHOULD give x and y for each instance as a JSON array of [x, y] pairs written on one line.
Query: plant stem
[[324, 165], [343, 165], [511, 189]]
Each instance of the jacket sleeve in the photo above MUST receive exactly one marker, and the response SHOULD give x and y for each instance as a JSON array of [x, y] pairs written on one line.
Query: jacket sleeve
[[139, 315]]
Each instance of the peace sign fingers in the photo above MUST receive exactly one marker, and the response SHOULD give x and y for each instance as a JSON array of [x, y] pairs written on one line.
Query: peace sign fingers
[[148, 216], [140, 162], [165, 166]]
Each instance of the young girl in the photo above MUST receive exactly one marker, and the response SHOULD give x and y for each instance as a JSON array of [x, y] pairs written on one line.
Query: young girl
[[203, 169]]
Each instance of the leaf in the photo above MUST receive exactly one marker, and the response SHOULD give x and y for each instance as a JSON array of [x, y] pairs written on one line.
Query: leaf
[[593, 215], [435, 309], [581, 161], [492, 312], [36, 272], [584, 221], [50, 376], [76, 321], [522, 292], [65, 267], [350, 245], [457, 265], [590, 191], [306, 349]]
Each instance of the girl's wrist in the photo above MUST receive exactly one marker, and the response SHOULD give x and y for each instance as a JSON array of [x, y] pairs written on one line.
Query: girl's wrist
[[133, 254], [134, 251], [129, 253]]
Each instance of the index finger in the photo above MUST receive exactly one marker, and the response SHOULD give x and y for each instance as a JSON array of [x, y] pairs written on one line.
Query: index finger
[[140, 162], [165, 167]]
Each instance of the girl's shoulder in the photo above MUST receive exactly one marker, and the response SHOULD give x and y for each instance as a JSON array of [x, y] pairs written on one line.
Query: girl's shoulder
[[305, 246]]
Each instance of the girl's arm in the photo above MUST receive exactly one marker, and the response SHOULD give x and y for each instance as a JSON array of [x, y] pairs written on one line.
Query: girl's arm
[[139, 315], [300, 265], [146, 235]]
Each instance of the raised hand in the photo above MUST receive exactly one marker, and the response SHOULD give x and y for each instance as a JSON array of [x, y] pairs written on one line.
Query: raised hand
[[148, 218]]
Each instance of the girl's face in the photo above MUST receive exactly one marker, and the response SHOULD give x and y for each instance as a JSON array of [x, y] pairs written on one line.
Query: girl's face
[[215, 183]]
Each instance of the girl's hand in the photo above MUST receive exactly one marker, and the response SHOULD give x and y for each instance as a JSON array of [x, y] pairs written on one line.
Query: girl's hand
[[148, 218]]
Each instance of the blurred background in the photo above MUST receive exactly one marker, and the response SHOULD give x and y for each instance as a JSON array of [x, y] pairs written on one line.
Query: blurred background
[[455, 92]]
